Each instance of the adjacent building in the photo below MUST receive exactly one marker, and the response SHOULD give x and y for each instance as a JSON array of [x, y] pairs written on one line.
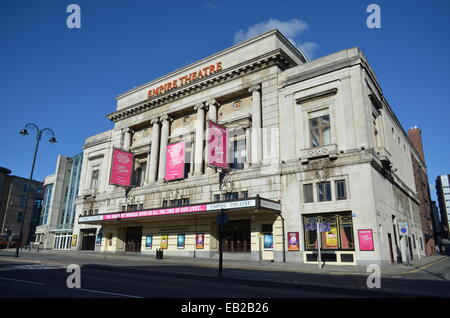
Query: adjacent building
[[13, 199], [443, 196], [423, 190], [58, 209], [307, 142]]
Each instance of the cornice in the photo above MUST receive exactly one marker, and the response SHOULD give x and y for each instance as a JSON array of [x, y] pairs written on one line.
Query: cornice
[[276, 57]]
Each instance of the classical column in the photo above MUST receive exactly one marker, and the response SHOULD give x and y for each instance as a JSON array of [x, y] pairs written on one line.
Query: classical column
[[162, 150], [257, 150], [199, 139], [213, 107], [127, 139], [248, 146], [152, 165]]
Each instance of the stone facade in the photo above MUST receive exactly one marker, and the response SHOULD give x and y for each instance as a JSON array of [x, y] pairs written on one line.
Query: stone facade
[[311, 140]]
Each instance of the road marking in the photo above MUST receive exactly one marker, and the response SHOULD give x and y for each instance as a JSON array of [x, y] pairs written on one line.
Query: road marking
[[108, 293], [423, 267], [21, 281]]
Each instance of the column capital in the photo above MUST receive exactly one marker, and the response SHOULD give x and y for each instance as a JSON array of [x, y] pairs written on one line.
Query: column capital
[[165, 118], [212, 102], [254, 88], [200, 106], [154, 120]]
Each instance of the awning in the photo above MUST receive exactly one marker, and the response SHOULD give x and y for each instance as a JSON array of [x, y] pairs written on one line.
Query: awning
[[257, 204]]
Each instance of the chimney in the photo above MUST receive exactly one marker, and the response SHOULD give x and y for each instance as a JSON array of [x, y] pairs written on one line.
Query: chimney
[[415, 135]]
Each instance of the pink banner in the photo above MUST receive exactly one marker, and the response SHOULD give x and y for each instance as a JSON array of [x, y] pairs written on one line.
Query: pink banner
[[168, 211], [175, 154], [121, 168], [217, 146], [365, 240]]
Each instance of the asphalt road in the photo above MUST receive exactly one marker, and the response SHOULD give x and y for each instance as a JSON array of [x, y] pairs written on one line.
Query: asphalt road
[[36, 280], [40, 275]]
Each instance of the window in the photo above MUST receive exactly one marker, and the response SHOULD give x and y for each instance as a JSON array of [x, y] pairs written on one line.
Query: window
[[341, 193], [185, 201], [141, 206], [232, 196], [308, 193], [23, 201], [216, 197], [319, 129], [245, 194], [324, 191], [39, 190], [140, 166], [164, 204], [94, 178], [238, 150], [339, 237]]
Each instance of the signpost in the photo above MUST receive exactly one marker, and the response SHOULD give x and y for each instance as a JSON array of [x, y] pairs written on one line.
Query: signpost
[[319, 227], [221, 220]]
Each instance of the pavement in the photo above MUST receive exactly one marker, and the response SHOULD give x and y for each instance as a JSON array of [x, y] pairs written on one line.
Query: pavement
[[425, 277]]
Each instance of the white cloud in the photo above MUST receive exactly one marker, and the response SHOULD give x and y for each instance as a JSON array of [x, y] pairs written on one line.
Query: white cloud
[[291, 29]]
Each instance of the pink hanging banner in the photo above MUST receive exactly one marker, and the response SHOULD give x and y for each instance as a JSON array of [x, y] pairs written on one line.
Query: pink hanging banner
[[175, 155], [121, 168], [365, 240], [217, 146]]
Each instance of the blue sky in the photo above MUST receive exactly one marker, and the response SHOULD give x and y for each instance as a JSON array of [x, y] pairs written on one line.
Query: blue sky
[[67, 79]]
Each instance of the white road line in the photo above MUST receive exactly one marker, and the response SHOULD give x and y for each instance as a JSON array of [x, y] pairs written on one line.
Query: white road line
[[102, 292], [21, 281]]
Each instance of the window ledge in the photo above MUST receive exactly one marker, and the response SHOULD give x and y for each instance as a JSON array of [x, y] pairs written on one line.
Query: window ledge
[[316, 152]]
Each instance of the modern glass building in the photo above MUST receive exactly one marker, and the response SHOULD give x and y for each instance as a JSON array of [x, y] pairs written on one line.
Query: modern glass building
[[58, 212]]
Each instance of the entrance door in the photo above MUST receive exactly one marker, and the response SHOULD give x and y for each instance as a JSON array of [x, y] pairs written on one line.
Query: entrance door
[[391, 252], [133, 239], [88, 239], [237, 237], [410, 248]]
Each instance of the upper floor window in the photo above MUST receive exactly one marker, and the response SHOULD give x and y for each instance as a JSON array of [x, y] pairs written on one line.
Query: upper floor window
[[324, 191], [308, 193], [238, 149], [341, 193], [320, 131], [232, 196], [94, 178]]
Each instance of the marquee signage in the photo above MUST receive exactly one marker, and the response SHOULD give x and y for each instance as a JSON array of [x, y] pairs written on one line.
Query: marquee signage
[[186, 79], [121, 168]]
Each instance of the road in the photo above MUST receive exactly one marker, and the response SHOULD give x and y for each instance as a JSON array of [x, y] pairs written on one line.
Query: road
[[39, 275]]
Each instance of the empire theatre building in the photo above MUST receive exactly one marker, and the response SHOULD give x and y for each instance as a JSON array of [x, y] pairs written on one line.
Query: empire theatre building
[[278, 142]]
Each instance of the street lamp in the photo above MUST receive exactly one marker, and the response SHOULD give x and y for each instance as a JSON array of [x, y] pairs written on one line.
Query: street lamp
[[39, 133]]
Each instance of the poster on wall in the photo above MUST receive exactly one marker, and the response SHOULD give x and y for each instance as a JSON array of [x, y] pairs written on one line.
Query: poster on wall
[[217, 146], [268, 241], [331, 238], [149, 241], [180, 240], [98, 239], [121, 168], [175, 155], [365, 240], [164, 241], [74, 240], [200, 240], [293, 241]]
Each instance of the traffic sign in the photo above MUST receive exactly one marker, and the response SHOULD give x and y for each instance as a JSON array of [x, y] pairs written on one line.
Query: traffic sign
[[325, 227], [403, 228]]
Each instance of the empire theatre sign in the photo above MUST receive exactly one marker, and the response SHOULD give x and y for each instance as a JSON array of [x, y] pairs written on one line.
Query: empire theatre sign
[[186, 79]]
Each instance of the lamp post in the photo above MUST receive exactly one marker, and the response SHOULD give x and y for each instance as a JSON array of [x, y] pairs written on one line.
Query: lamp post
[[39, 133]]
